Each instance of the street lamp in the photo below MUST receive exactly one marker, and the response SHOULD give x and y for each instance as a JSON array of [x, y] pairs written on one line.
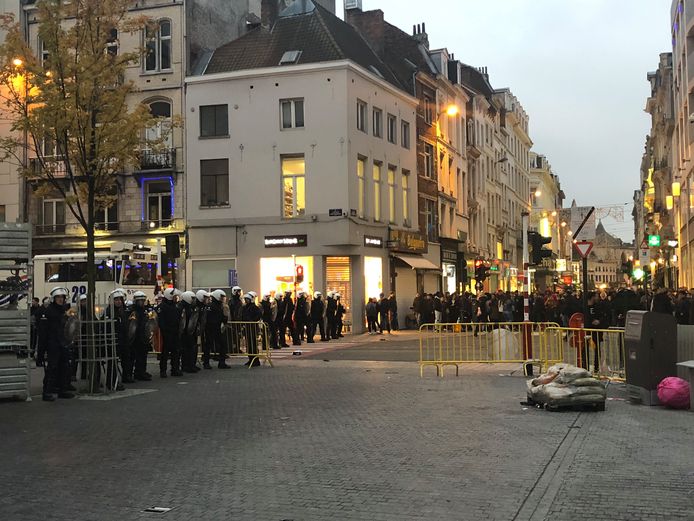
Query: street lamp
[[17, 62]]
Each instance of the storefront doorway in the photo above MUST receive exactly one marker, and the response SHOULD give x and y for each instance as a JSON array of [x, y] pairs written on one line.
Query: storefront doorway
[[338, 278]]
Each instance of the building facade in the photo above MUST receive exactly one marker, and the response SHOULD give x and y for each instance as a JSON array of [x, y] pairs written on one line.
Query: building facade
[[302, 162]]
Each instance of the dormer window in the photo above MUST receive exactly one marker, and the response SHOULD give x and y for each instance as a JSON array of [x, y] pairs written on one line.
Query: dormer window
[[290, 57]]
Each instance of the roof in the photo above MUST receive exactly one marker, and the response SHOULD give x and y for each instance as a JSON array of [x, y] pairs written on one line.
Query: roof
[[304, 26]]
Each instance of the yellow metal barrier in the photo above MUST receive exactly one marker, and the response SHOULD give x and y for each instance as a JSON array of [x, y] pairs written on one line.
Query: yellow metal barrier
[[248, 339], [505, 342], [601, 351]]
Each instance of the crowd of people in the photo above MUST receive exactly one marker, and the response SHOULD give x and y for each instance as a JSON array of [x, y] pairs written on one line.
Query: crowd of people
[[185, 323], [605, 308]]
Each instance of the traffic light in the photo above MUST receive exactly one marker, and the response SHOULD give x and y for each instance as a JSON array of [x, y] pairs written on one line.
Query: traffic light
[[481, 271], [299, 278], [537, 252]]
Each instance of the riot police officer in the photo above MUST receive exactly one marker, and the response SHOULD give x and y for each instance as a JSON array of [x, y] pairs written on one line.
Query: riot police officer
[[56, 380], [235, 307], [330, 309], [339, 313], [213, 331], [269, 308], [203, 298], [317, 318], [285, 313], [117, 312], [300, 318], [140, 335], [251, 315], [169, 323], [189, 319]]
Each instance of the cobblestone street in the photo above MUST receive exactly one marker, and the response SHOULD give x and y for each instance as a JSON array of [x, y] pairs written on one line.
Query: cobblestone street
[[359, 440]]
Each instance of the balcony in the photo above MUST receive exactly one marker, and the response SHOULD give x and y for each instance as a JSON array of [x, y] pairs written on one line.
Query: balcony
[[50, 229], [54, 167], [157, 160], [472, 147]]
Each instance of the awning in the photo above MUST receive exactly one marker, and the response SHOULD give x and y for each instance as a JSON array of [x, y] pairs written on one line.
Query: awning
[[418, 263]]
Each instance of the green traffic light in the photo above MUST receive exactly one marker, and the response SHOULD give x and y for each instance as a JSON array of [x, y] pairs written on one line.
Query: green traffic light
[[638, 273]]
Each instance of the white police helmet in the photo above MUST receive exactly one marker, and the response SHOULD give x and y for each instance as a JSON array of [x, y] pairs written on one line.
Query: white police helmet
[[317, 294], [188, 297], [58, 291], [201, 295], [83, 297], [169, 293], [331, 294], [128, 303], [267, 296], [248, 296], [218, 295], [253, 294], [116, 293], [139, 295], [236, 290]]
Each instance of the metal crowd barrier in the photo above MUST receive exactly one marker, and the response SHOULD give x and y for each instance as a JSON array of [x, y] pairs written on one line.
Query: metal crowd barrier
[[484, 343], [248, 339], [601, 351], [97, 356]]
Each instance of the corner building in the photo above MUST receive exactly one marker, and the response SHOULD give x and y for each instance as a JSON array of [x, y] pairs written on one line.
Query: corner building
[[301, 157]]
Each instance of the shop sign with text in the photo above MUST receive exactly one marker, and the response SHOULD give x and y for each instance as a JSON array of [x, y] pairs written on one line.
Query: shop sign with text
[[373, 242], [286, 241], [407, 242]]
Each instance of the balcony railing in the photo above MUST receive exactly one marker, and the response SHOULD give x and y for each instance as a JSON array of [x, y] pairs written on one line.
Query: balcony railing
[[50, 229], [158, 159], [51, 166]]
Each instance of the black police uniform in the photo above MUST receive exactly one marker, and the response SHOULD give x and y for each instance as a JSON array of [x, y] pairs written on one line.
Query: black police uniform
[[251, 315], [123, 346], [330, 309], [214, 342], [56, 378], [169, 323], [141, 342]]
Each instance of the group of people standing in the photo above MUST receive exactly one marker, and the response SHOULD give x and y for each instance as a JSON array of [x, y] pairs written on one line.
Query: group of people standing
[[186, 322], [382, 314]]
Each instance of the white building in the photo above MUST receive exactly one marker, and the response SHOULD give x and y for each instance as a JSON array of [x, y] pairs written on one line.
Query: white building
[[300, 153]]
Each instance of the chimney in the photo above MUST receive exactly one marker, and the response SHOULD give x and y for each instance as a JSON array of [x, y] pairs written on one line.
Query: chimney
[[269, 12], [371, 26], [420, 34], [352, 5]]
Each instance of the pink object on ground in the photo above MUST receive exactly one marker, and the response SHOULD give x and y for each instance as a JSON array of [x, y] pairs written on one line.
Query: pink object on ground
[[673, 392]]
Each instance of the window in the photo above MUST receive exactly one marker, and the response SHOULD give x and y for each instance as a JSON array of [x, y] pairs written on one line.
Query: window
[[405, 131], [429, 160], [377, 191], [361, 116], [112, 43], [52, 216], [45, 53], [428, 113], [157, 153], [392, 129], [378, 122], [158, 47], [107, 218], [214, 182], [406, 196], [430, 218], [391, 194], [293, 187], [292, 113], [214, 120], [3, 215], [159, 204], [361, 167]]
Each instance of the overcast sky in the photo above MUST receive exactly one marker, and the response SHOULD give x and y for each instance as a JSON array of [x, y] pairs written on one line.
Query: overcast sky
[[577, 66]]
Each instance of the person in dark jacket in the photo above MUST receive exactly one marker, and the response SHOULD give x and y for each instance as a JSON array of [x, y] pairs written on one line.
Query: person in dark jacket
[[140, 341], [285, 312], [215, 321], [235, 332], [189, 318], [117, 312], [372, 316], [56, 381], [393, 306], [300, 318], [169, 327], [317, 318], [682, 308], [330, 309], [384, 314], [203, 298], [662, 302], [268, 307], [252, 316]]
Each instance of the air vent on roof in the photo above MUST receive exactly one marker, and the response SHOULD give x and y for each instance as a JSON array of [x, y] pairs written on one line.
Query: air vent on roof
[[290, 57]]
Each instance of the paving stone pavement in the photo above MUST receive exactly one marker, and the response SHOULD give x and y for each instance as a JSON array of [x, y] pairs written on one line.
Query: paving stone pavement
[[352, 440]]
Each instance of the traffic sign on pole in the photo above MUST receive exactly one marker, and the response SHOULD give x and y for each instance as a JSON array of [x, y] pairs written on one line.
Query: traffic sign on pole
[[584, 248]]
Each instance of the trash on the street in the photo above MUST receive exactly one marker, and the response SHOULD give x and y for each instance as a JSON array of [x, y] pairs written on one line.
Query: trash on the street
[[567, 386], [673, 392]]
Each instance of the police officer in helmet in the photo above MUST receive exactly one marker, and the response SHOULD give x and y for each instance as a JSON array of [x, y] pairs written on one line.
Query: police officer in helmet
[[169, 320], [140, 342], [56, 381]]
